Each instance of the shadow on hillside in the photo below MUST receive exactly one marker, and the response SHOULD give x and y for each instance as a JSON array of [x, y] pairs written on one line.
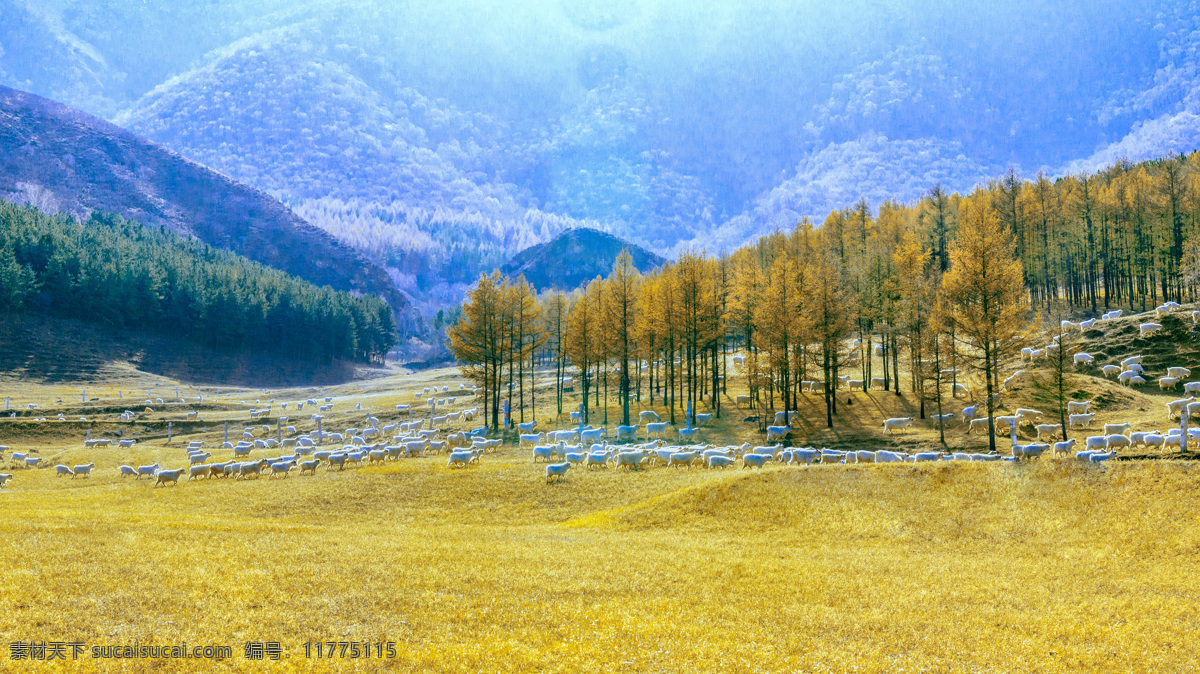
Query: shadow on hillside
[[52, 350]]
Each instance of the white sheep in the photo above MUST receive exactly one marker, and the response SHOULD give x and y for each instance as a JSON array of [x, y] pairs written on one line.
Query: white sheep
[[1078, 406], [1064, 447], [1081, 420], [896, 424], [1119, 429], [165, 476], [1180, 372], [61, 470], [1085, 358], [1111, 370], [755, 460], [1165, 383], [557, 472], [84, 469], [1148, 329]]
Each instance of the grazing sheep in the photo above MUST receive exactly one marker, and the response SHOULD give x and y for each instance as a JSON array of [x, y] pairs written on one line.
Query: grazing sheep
[[896, 424], [719, 461], [1085, 358], [463, 459], [650, 415], [149, 470], [755, 460], [165, 476], [84, 469], [658, 429], [4, 479], [1080, 420], [1149, 329], [61, 470], [960, 389], [777, 433], [1078, 407], [1097, 442], [629, 432], [127, 471], [1165, 383], [1111, 370], [1064, 447], [557, 472], [198, 471], [1117, 440], [1117, 429], [1047, 429]]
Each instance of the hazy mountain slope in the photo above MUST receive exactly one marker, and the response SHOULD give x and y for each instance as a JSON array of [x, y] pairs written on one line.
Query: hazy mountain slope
[[499, 123], [575, 257], [62, 159]]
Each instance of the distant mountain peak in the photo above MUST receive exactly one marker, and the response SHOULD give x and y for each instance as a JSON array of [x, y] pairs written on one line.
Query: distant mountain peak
[[575, 257]]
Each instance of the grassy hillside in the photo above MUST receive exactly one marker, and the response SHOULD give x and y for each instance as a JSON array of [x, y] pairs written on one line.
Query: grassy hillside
[[1052, 565]]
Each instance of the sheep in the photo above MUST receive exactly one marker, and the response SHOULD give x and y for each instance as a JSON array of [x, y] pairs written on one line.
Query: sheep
[[557, 472], [198, 471], [755, 460], [194, 459], [526, 427], [632, 460], [463, 459], [1064, 447], [970, 412], [1119, 429], [1078, 406], [532, 439], [877, 382], [280, 468], [1135, 368], [942, 419], [1117, 440], [855, 384], [896, 424], [683, 459], [687, 433], [1097, 442], [1080, 420], [777, 432], [165, 476], [149, 470], [791, 415], [980, 425], [126, 471], [863, 456], [591, 434], [629, 432], [84, 469], [718, 461], [650, 415], [1114, 314], [1131, 360], [1148, 329], [961, 389], [1126, 377], [1136, 381], [805, 455], [702, 419], [1085, 358], [1028, 451], [1026, 414], [542, 452], [1155, 440], [1191, 387], [1048, 429], [1087, 325], [61, 470], [4, 479], [657, 429], [1067, 325], [1165, 383], [742, 400], [309, 466], [1006, 423], [883, 456]]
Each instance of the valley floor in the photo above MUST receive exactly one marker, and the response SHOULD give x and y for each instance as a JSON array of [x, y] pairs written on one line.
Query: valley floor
[[1047, 566]]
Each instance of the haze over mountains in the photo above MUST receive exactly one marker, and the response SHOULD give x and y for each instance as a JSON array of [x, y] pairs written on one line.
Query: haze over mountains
[[440, 138]]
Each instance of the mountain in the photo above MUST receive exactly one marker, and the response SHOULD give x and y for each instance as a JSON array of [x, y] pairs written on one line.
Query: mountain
[[575, 257], [440, 137], [64, 160]]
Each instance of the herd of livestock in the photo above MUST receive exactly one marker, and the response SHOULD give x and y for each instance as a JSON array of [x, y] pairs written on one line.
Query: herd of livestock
[[590, 447]]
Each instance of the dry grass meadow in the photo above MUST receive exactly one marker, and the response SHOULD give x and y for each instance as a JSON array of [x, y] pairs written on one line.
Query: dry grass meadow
[[1049, 566]]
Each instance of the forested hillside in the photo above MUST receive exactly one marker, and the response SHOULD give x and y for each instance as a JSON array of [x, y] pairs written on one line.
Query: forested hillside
[[949, 284], [116, 272], [575, 257], [61, 159]]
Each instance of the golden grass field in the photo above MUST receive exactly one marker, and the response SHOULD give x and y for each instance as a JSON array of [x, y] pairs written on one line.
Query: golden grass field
[[1047, 566]]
